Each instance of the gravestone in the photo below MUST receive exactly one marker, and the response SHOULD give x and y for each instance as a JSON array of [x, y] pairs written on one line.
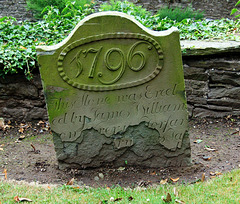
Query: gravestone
[[115, 94]]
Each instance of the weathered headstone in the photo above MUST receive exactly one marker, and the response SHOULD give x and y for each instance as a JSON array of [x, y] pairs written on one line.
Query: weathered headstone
[[115, 93]]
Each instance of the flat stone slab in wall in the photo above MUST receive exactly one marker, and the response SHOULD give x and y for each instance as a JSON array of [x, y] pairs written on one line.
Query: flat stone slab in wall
[[115, 93]]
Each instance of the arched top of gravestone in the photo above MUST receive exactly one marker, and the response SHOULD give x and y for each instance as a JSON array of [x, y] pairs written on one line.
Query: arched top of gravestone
[[116, 24], [106, 50]]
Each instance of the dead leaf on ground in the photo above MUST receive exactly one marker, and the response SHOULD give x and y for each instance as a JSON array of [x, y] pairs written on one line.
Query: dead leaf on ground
[[153, 173], [70, 182], [22, 47], [179, 201], [216, 173], [5, 173], [175, 192], [130, 198], [210, 149], [203, 177], [206, 158], [17, 199], [163, 181], [2, 124], [21, 137], [168, 199], [198, 141], [174, 180], [235, 182], [237, 131], [21, 130], [117, 199], [121, 168]]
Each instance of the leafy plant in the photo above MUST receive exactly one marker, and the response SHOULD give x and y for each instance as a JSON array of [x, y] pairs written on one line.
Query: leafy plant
[[18, 41], [38, 6], [234, 10], [178, 14], [127, 7]]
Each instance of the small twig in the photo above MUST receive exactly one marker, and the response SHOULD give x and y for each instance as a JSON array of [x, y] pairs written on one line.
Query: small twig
[[34, 149]]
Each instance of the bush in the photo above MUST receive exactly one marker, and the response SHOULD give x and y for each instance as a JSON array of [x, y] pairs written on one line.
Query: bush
[[18, 41], [129, 8], [234, 10], [179, 14], [38, 6]]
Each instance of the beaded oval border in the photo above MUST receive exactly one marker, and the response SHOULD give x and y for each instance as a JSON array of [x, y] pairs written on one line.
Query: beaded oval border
[[104, 37]]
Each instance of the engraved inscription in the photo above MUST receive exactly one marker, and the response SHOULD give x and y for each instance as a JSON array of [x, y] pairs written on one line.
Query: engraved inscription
[[123, 142], [93, 64]]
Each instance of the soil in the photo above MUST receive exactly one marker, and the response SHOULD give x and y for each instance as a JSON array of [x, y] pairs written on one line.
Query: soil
[[27, 153]]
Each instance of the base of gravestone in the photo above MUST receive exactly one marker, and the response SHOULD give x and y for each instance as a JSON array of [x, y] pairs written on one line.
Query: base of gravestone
[[137, 146]]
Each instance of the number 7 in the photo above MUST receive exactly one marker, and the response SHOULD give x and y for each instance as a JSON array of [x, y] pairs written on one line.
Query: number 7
[[97, 51]]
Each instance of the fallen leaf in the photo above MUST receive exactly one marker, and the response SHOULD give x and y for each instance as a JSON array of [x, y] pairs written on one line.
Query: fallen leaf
[[210, 149], [5, 173], [21, 137], [21, 130], [117, 199], [218, 173], [236, 132], [179, 201], [168, 199], [234, 183], [130, 198], [174, 180], [76, 187], [215, 173], [203, 177], [206, 158], [175, 192], [40, 122], [153, 173], [2, 124], [70, 182], [22, 47], [42, 43], [198, 141], [163, 181], [17, 199], [121, 168]]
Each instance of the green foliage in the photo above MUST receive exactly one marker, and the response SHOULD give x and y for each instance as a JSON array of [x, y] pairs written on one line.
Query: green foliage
[[179, 14], [129, 8], [18, 41], [38, 6], [234, 10]]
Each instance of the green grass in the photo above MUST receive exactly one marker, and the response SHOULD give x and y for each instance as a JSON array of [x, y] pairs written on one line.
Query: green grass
[[225, 189]]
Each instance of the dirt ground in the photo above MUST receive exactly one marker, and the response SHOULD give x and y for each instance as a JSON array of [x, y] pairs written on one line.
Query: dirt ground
[[27, 153]]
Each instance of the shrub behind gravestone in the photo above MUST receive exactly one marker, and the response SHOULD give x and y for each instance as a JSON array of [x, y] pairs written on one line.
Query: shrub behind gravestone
[[37, 6], [179, 14]]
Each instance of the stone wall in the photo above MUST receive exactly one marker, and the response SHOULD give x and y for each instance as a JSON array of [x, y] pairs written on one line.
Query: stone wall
[[213, 85], [15, 8], [214, 9], [212, 78], [22, 100]]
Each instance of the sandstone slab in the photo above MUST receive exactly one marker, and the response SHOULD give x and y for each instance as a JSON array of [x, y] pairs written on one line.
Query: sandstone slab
[[115, 93]]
